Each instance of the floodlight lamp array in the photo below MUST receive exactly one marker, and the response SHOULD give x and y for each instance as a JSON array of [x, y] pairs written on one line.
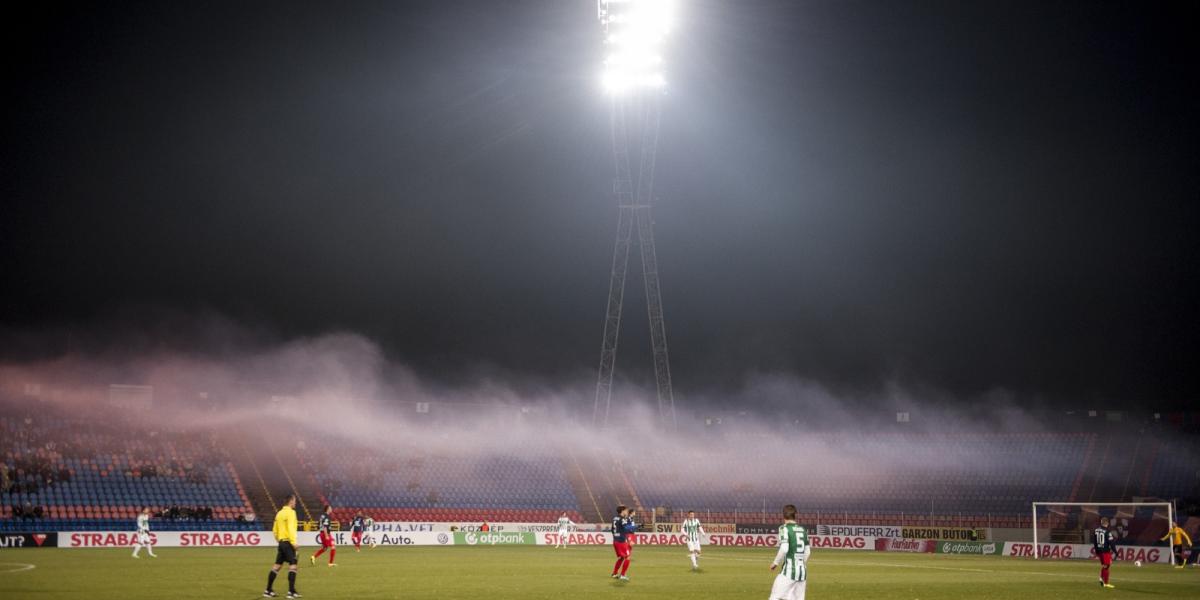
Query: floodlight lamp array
[[635, 32]]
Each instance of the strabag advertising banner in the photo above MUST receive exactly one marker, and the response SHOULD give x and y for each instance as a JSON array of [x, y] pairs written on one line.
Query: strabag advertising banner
[[736, 540], [576, 538], [1146, 554], [224, 539]]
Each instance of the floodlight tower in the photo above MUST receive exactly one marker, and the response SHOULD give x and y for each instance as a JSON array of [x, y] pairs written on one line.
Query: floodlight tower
[[634, 34]]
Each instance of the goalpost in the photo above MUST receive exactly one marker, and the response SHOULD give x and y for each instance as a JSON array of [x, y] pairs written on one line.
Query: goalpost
[[1135, 505]]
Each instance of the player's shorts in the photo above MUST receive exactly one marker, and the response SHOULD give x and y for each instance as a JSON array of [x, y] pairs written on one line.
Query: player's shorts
[[143, 538], [285, 554], [693, 546], [622, 549], [1105, 558], [562, 534], [325, 539], [356, 535], [785, 588]]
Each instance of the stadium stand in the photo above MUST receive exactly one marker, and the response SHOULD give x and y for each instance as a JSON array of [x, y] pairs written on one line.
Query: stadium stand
[[69, 474], [72, 471], [522, 483], [1175, 472], [941, 477]]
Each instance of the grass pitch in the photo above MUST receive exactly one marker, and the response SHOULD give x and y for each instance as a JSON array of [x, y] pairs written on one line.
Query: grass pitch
[[538, 572]]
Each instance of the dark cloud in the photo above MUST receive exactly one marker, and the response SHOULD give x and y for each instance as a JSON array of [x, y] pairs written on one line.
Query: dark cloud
[[961, 195]]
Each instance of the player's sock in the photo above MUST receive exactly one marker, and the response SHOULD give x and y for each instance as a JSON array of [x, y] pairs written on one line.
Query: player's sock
[[617, 567], [695, 565], [319, 551], [136, 549], [271, 579], [332, 552], [292, 581], [625, 567], [1104, 575]]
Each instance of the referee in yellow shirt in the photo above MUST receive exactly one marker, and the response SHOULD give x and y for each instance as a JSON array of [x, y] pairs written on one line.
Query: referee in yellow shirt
[[1177, 535], [285, 534]]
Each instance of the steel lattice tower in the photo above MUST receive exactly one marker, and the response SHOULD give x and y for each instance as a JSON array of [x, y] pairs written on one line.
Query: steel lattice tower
[[634, 199]]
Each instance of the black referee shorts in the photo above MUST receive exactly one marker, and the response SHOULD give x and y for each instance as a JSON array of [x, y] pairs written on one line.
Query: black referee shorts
[[285, 554]]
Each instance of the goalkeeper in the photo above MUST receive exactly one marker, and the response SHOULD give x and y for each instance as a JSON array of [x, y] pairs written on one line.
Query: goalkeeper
[[793, 555], [1177, 536]]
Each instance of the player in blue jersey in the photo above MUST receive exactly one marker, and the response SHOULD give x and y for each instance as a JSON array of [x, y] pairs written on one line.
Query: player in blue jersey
[[325, 536], [623, 526], [1104, 542]]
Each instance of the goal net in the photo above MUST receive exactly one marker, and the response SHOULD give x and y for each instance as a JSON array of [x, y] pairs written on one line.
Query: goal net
[[1064, 529]]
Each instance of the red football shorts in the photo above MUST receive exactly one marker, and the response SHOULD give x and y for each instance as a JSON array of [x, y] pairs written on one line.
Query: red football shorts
[[1105, 558], [622, 549], [325, 539]]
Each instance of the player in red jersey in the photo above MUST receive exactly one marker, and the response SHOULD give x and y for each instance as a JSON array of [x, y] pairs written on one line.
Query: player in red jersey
[[325, 537], [1104, 542], [357, 526], [622, 527]]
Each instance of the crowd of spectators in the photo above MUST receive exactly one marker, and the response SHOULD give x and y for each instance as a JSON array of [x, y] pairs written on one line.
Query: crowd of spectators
[[29, 512], [34, 450], [38, 450], [26, 512], [363, 467], [33, 456], [27, 474], [187, 513]]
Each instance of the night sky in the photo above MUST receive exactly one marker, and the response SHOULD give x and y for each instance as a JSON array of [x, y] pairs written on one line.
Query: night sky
[[965, 195]]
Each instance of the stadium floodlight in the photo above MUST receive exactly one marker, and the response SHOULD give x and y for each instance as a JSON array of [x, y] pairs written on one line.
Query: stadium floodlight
[[635, 32]]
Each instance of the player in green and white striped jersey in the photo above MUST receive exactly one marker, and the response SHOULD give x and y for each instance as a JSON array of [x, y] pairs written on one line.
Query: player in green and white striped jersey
[[564, 527], [793, 555], [692, 532], [143, 534]]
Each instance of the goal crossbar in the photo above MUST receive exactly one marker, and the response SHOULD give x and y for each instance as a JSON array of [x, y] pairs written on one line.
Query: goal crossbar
[[1170, 519]]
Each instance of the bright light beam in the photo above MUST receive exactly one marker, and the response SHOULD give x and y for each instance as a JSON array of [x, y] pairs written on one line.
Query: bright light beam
[[635, 32]]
